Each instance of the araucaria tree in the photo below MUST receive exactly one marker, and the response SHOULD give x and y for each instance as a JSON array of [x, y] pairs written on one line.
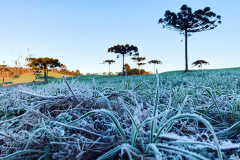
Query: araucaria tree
[[138, 60], [139, 65], [188, 23], [154, 62], [124, 50], [109, 62], [199, 63], [44, 63]]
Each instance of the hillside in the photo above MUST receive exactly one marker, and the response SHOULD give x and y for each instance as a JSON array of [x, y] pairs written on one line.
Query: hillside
[[29, 77]]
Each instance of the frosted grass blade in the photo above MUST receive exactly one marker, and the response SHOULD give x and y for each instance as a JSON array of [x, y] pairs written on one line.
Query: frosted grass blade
[[113, 151], [110, 115], [23, 152], [135, 125], [155, 110], [230, 132], [157, 154], [169, 123], [176, 150]]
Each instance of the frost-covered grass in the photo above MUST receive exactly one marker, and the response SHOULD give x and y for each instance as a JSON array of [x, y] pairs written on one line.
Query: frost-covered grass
[[168, 116]]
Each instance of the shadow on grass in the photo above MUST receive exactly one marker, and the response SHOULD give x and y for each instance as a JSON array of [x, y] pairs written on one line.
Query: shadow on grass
[[40, 77], [8, 82]]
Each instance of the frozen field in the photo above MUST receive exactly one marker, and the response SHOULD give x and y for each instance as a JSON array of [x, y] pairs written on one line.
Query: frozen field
[[167, 116]]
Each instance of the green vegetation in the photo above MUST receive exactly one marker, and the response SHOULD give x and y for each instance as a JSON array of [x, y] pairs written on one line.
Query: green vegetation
[[44, 63], [138, 60], [176, 115], [134, 71], [124, 50]]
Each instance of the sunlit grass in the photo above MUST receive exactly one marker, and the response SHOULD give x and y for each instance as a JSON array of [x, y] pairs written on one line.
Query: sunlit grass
[[27, 78]]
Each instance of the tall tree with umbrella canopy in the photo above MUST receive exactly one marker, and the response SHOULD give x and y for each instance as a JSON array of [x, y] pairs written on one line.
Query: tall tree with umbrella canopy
[[154, 62], [109, 62], [199, 63], [44, 63], [138, 60], [188, 23], [124, 50]]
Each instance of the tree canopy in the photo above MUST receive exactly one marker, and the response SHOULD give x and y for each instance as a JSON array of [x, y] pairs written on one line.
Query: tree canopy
[[44, 63], [127, 67], [124, 50], [154, 62], [109, 61], [141, 64], [138, 60], [199, 63], [186, 22], [78, 73]]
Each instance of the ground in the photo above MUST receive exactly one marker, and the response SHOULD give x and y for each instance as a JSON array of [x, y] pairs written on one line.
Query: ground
[[173, 115], [29, 78]]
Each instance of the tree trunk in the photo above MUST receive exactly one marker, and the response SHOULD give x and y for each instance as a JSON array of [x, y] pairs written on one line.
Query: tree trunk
[[45, 73], [186, 55], [138, 69], [123, 65]]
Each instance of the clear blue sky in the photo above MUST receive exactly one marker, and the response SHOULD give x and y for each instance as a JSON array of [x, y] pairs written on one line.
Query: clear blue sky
[[79, 32]]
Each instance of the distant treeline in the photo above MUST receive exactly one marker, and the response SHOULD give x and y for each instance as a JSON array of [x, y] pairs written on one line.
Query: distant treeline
[[68, 72], [134, 71], [14, 71], [127, 70]]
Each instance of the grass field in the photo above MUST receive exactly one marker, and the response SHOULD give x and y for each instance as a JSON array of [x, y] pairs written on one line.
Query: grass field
[[39, 77], [28, 78], [172, 115]]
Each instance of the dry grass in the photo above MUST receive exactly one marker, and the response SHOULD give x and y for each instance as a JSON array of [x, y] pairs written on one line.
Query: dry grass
[[29, 77]]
